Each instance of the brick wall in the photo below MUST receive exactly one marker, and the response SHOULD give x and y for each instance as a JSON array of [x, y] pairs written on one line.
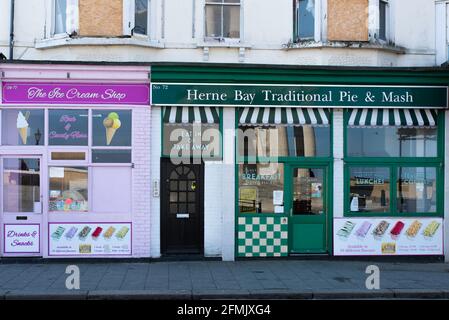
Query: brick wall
[[141, 183]]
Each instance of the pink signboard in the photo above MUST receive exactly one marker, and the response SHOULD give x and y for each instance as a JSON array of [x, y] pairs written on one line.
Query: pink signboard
[[75, 93]]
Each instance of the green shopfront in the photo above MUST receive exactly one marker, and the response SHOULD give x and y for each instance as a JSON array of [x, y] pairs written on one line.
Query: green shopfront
[[343, 162]]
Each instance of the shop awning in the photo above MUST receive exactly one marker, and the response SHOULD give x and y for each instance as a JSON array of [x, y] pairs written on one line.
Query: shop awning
[[392, 117], [277, 115], [191, 115]]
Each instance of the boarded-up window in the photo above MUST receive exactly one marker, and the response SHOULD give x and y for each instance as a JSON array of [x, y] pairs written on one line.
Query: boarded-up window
[[101, 17], [347, 20]]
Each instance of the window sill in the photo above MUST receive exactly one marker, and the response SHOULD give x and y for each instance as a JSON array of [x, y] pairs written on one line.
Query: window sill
[[97, 41], [311, 44], [212, 43]]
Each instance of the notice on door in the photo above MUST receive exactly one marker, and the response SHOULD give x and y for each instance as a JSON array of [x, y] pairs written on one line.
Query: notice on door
[[89, 239], [21, 238], [386, 236]]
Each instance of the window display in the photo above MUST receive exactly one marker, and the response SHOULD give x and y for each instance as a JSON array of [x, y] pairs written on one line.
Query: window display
[[369, 189], [261, 187], [68, 127], [68, 189], [111, 127], [416, 189]]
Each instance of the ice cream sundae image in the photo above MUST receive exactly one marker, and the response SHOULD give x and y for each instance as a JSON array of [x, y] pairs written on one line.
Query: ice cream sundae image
[[22, 126], [111, 124]]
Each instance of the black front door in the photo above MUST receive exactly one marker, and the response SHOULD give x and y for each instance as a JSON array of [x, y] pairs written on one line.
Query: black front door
[[181, 207]]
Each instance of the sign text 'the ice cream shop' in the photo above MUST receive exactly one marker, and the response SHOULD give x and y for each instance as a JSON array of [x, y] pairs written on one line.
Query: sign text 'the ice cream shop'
[[75, 93]]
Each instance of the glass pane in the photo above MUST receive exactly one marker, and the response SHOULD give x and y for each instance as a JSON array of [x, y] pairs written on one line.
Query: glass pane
[[111, 156], [173, 196], [191, 197], [21, 185], [182, 197], [173, 208], [111, 127], [369, 189], [382, 20], [283, 141], [141, 17], [68, 156], [68, 127], [308, 192], [213, 21], [186, 140], [392, 142], [305, 19], [68, 189], [23, 127], [182, 185], [417, 189], [231, 21], [257, 184], [173, 185], [60, 16]]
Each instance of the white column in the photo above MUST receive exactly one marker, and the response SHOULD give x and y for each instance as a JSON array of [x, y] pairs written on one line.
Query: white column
[[338, 192], [228, 185], [213, 204], [155, 218], [446, 189]]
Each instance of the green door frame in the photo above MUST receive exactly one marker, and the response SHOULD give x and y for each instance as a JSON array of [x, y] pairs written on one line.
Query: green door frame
[[328, 201]]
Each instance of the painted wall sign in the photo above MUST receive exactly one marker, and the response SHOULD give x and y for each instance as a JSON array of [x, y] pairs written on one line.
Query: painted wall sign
[[379, 236], [89, 239], [21, 238], [75, 93], [299, 95]]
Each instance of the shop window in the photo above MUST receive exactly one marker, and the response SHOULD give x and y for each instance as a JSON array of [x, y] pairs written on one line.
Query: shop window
[[68, 127], [111, 128], [258, 185], [222, 19], [284, 141], [392, 133], [112, 192], [416, 189], [68, 189], [111, 156], [304, 19], [308, 192], [23, 127], [369, 189]]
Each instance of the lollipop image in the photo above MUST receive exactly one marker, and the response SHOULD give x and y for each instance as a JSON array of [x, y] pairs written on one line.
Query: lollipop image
[[22, 126], [111, 124]]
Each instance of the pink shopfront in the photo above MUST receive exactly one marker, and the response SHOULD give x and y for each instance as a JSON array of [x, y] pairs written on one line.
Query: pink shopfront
[[69, 139]]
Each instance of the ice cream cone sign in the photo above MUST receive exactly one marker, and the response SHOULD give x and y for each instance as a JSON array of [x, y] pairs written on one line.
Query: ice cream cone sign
[[111, 124], [22, 126]]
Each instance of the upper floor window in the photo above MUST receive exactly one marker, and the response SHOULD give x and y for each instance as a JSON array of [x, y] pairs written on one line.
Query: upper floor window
[[222, 19], [304, 19], [60, 16], [141, 14], [383, 19]]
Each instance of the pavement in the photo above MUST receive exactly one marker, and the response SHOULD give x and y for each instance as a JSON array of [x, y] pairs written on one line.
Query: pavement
[[249, 279]]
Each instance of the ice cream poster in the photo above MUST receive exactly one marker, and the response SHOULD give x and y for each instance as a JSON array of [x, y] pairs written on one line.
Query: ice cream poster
[[386, 236], [94, 239], [111, 124]]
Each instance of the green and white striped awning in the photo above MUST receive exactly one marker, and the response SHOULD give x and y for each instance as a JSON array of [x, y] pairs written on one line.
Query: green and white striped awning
[[284, 115], [392, 117], [191, 115]]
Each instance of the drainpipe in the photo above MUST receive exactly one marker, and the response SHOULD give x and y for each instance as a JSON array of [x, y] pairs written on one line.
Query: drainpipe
[[11, 32]]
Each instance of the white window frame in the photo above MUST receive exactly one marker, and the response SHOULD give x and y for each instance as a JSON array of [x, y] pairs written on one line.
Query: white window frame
[[223, 39], [72, 23], [441, 31], [319, 21], [129, 20], [374, 21]]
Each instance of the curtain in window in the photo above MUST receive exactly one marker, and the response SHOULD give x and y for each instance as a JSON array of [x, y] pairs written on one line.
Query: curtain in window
[[60, 16]]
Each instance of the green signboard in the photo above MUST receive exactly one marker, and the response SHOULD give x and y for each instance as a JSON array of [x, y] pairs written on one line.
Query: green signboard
[[197, 94]]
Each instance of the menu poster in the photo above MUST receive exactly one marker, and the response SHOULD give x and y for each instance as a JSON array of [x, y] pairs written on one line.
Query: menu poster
[[90, 239], [386, 236]]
